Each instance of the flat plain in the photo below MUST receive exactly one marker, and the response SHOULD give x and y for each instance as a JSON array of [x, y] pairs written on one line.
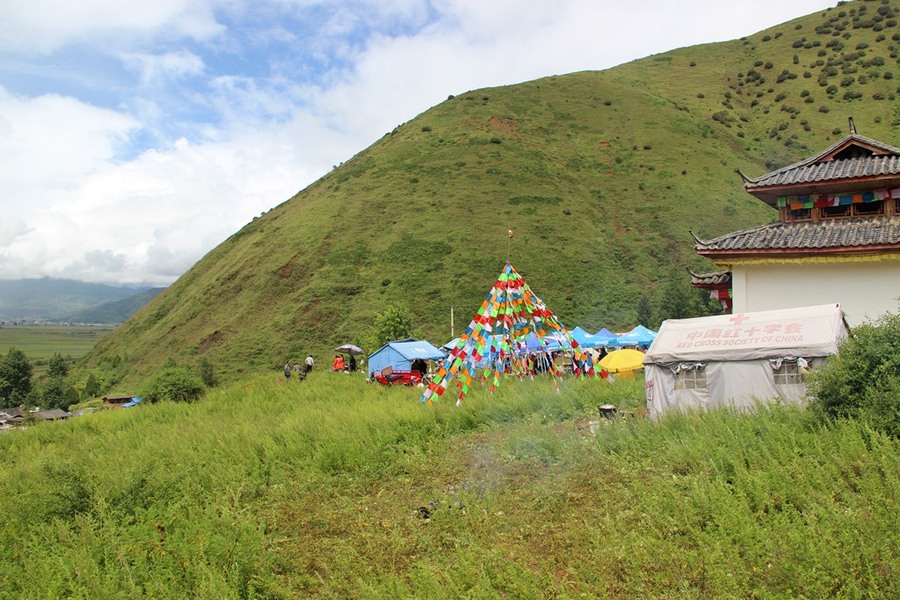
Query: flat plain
[[40, 342]]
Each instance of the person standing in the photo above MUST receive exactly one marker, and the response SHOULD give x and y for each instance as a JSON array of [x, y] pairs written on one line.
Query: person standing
[[352, 363], [309, 364], [287, 371]]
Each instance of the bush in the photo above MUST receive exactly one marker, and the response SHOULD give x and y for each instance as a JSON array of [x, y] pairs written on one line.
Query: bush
[[207, 373], [174, 383], [863, 380]]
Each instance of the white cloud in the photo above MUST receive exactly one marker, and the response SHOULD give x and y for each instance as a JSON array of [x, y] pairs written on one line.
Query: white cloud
[[51, 142], [158, 68], [148, 219], [42, 26]]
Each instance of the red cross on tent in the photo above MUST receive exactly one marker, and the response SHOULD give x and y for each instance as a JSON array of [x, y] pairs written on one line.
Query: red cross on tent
[[510, 332]]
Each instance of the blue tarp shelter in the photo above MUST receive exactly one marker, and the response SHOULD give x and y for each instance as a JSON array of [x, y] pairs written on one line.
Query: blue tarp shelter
[[639, 336], [399, 355]]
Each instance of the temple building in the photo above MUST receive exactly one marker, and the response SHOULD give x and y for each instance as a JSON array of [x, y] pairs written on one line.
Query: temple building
[[836, 240]]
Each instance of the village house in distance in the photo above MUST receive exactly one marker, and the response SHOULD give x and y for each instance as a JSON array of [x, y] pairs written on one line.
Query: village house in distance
[[837, 238]]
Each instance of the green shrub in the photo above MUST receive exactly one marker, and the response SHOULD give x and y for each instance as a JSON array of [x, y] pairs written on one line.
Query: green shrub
[[207, 373], [863, 380], [174, 383]]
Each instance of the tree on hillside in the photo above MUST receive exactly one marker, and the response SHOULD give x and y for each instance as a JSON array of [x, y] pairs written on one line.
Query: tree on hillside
[[681, 300], [644, 312], [394, 323], [91, 387], [15, 378], [57, 393], [58, 366], [207, 374]]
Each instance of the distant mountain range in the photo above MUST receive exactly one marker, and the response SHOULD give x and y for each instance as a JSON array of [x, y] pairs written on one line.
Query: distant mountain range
[[66, 300]]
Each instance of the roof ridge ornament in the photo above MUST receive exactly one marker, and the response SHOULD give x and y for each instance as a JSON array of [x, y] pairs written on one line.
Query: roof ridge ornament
[[852, 126]]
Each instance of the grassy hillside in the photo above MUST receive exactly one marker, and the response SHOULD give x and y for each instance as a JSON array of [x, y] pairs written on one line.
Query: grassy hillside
[[602, 176], [322, 489]]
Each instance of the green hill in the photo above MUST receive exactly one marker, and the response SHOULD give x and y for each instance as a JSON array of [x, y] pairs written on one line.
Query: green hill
[[601, 175]]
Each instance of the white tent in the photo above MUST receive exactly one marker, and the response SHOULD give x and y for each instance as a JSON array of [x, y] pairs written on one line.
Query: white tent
[[737, 360]]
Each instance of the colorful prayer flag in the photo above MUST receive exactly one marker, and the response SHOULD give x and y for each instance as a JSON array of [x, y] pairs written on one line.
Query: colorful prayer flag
[[518, 315]]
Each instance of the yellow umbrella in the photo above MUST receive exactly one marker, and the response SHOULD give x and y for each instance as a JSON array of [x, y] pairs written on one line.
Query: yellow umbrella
[[622, 360]]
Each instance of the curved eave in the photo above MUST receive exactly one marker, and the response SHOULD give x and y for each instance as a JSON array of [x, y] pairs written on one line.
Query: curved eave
[[727, 254]]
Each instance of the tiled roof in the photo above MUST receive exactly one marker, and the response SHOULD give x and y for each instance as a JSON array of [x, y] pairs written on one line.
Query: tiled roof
[[870, 166], [831, 234], [709, 279], [884, 161]]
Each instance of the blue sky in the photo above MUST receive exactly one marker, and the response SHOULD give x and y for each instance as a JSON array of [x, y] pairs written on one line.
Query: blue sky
[[136, 136]]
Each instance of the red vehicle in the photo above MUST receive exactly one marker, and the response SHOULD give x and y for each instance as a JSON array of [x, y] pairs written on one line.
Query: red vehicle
[[389, 376]]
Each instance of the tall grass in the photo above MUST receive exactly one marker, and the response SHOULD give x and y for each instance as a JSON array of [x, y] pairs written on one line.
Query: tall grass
[[332, 487]]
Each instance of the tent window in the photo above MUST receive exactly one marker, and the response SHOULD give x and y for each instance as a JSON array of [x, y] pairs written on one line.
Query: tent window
[[788, 373], [691, 379]]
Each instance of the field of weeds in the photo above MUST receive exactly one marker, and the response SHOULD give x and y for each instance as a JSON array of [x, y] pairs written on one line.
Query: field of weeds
[[337, 488]]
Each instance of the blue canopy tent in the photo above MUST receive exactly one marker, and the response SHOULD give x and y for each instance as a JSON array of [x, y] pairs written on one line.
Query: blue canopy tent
[[639, 336], [606, 333], [587, 340], [399, 354], [549, 343]]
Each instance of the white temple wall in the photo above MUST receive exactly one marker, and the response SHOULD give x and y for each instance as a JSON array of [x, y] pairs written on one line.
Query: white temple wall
[[865, 290]]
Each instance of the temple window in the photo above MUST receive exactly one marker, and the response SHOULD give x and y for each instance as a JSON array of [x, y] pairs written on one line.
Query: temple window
[[868, 209], [799, 214], [829, 212]]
